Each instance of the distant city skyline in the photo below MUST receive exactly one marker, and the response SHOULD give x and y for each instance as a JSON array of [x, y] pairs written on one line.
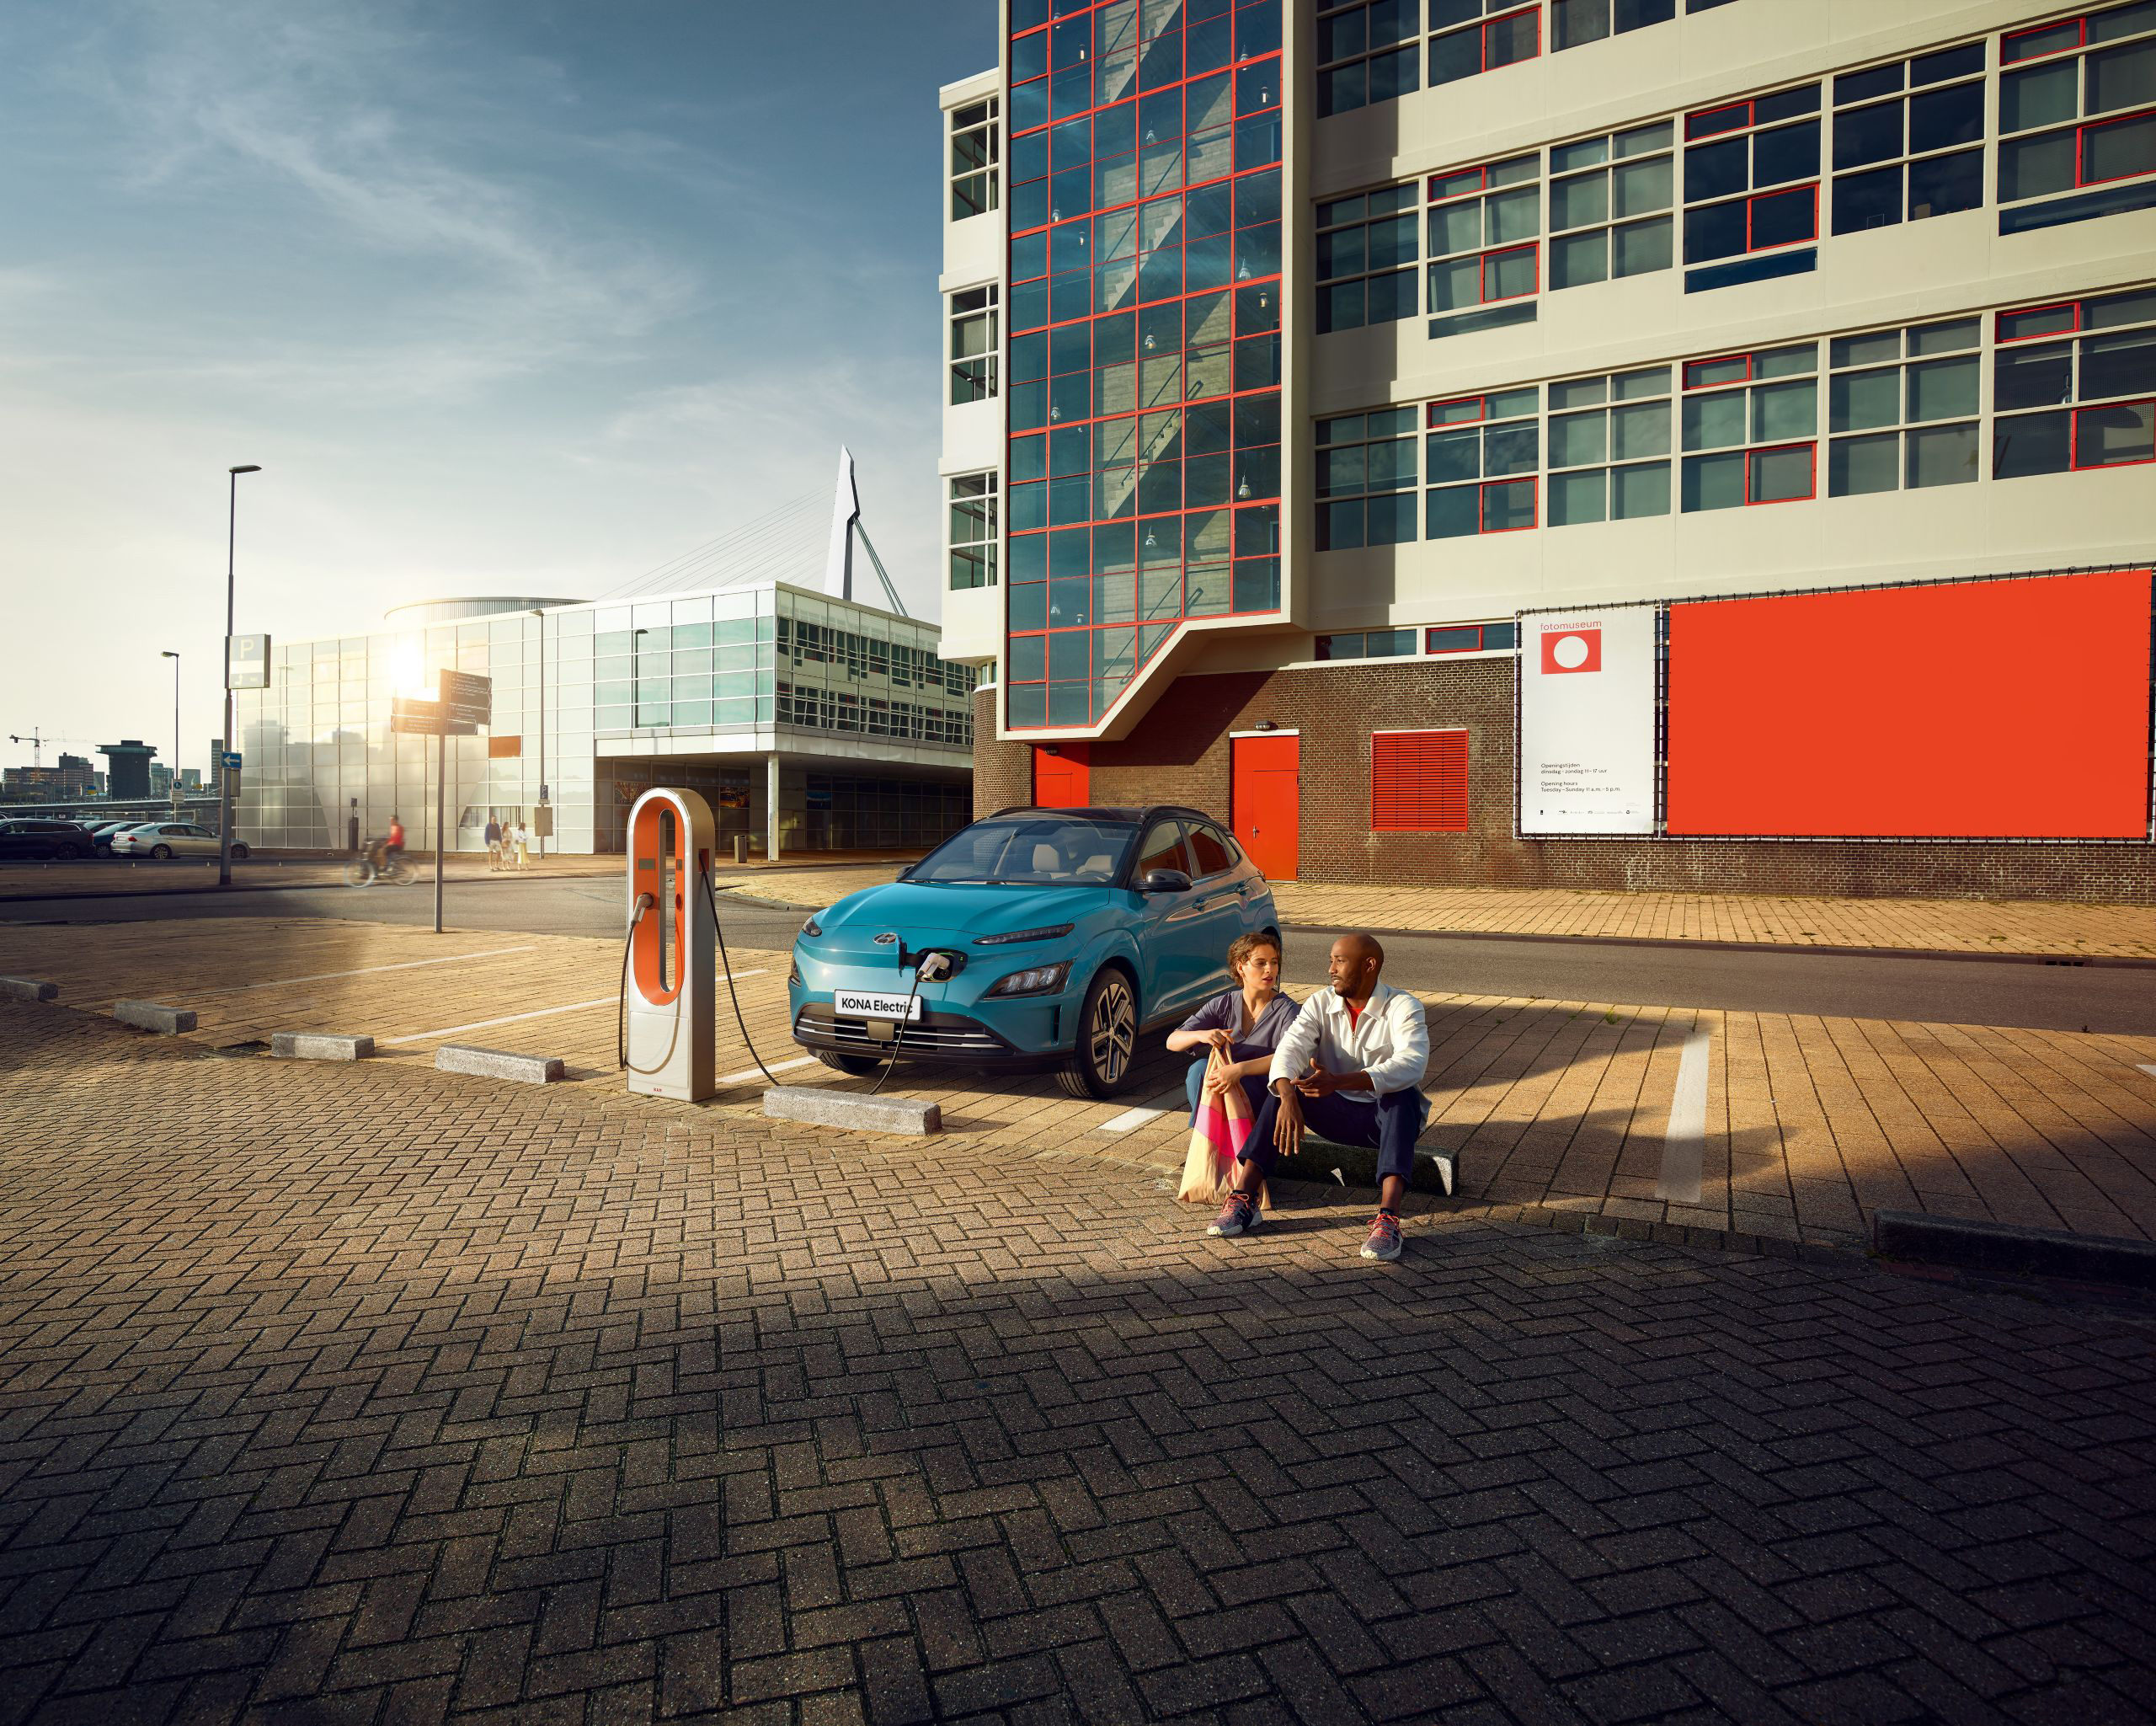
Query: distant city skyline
[[525, 298]]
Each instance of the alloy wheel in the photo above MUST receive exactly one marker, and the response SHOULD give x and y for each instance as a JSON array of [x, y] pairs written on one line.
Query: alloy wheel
[[1114, 1030]]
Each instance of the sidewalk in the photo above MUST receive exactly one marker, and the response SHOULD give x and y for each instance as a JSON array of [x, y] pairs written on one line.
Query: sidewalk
[[2016, 927], [1807, 1125]]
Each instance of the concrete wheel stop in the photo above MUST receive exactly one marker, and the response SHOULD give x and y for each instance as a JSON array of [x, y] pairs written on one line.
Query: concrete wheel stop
[[154, 1015], [2004, 1249], [500, 1064], [319, 1046], [826, 1106], [28, 989]]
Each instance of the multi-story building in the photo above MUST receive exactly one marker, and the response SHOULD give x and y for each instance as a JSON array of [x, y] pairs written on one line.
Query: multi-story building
[[1472, 440], [808, 721]]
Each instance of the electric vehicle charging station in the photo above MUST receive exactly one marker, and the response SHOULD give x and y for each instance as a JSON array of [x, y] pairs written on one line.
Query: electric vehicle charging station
[[669, 966]]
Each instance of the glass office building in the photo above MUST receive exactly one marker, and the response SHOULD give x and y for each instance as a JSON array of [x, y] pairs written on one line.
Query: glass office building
[[808, 722]]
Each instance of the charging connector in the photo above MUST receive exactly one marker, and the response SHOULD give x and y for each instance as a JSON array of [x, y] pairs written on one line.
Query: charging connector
[[934, 967]]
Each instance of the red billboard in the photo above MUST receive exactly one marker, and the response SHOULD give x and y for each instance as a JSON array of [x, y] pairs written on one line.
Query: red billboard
[[2008, 709]]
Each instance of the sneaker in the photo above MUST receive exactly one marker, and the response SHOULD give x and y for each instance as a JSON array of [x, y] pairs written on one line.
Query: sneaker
[[1384, 1238], [1238, 1216]]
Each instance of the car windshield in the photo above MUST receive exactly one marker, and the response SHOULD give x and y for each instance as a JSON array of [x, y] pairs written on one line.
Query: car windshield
[[1033, 850]]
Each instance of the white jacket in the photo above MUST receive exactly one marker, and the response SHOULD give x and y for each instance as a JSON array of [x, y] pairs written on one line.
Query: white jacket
[[1389, 1042]]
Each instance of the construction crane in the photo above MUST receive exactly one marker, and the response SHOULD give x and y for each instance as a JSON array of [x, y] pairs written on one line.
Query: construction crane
[[36, 741]]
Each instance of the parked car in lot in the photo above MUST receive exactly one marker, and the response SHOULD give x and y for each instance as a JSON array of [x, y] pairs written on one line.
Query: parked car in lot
[[26, 836], [101, 835], [162, 839], [1067, 933]]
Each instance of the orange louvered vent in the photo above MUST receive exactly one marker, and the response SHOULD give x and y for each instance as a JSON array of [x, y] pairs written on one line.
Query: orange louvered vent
[[1418, 781]]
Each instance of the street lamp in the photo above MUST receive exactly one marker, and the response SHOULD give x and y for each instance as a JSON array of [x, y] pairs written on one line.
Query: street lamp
[[635, 678], [540, 613], [224, 772], [174, 658]]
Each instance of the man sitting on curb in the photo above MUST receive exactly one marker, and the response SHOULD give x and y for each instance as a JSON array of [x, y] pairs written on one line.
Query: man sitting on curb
[[1370, 1045]]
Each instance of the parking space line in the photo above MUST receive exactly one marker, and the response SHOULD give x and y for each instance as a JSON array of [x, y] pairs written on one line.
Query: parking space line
[[1131, 1119], [1683, 1143], [777, 1067], [327, 976], [483, 1025], [2145, 1067]]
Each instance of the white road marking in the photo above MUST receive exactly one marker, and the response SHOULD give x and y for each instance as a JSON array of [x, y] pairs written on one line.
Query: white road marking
[[1683, 1144], [2145, 1067], [482, 1024], [757, 1072], [326, 976], [1166, 1103]]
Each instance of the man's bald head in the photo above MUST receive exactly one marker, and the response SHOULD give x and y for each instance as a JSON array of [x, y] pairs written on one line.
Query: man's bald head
[[1353, 964]]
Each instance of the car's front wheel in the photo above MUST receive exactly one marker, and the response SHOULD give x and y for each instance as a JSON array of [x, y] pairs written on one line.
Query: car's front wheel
[[860, 1065], [1107, 1038], [239, 852]]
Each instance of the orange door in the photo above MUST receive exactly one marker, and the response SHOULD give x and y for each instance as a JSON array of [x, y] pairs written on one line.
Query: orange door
[[1266, 801], [1063, 780]]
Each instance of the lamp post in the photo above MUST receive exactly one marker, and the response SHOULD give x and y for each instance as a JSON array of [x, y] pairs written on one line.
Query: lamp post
[[224, 772], [174, 658], [541, 615], [635, 678]]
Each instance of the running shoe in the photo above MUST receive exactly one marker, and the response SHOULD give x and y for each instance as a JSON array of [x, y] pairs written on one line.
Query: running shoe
[[1238, 1216], [1384, 1238]]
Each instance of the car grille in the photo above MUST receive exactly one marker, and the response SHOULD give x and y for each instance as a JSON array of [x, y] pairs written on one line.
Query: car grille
[[949, 1033]]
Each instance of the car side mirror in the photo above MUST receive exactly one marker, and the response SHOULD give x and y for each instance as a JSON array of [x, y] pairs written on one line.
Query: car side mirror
[[905, 874], [1164, 881]]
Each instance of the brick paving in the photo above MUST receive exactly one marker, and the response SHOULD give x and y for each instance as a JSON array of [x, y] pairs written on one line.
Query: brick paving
[[2009, 928], [1810, 1123], [363, 1394]]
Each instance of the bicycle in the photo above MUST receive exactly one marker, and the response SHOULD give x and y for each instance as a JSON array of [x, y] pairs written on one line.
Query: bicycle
[[363, 871]]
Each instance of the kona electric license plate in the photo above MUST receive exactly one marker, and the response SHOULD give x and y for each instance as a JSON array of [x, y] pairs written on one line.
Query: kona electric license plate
[[867, 1003]]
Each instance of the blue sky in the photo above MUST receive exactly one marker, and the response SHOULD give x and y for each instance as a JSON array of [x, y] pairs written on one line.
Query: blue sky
[[505, 295]]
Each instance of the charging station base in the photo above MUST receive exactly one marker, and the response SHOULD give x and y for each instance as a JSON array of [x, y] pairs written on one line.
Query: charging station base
[[826, 1106]]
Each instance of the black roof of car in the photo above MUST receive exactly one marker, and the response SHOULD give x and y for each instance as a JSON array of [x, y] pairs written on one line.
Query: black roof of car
[[1106, 812]]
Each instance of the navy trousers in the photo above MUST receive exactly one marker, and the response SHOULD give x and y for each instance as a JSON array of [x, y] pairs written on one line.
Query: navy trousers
[[1390, 1126], [1194, 1083]]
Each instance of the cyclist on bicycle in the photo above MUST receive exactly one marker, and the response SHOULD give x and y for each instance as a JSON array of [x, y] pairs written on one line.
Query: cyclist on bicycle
[[393, 846]]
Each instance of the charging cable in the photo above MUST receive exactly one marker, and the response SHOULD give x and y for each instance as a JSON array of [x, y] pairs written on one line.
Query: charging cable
[[644, 905], [726, 967]]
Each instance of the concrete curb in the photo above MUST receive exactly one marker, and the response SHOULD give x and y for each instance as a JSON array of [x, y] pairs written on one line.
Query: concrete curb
[[499, 1064], [1435, 1171], [2092, 961], [319, 1046], [823, 1106], [28, 989], [151, 1016], [2001, 1248]]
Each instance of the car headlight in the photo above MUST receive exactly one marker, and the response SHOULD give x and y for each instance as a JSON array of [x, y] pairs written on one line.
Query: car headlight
[[812, 927], [1053, 933], [1041, 979]]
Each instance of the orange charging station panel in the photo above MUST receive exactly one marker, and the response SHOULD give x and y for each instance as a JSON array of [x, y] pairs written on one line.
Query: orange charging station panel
[[667, 996]]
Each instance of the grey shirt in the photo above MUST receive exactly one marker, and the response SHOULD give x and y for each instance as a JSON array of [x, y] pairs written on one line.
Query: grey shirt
[[1224, 1012]]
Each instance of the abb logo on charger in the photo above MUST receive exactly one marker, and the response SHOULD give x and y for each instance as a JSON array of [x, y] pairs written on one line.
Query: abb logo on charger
[[1571, 650]]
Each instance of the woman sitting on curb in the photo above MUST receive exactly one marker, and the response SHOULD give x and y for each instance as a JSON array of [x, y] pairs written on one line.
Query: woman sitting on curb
[[1246, 1024]]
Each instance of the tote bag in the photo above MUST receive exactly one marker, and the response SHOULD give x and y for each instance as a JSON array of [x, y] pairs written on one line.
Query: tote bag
[[1217, 1137]]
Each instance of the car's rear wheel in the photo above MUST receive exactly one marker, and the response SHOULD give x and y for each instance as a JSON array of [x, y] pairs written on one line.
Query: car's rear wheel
[[860, 1065], [161, 850], [1107, 1038]]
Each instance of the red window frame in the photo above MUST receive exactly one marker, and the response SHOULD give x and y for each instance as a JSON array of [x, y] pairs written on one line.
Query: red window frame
[[1810, 448], [1751, 211], [1419, 781], [2074, 464], [2081, 147], [1431, 635], [2007, 56], [1534, 504], [1692, 366], [1482, 40], [2001, 339], [1694, 122], [1431, 422]]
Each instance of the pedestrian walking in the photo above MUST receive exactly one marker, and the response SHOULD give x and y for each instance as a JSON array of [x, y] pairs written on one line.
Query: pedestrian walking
[[1370, 1045], [493, 843]]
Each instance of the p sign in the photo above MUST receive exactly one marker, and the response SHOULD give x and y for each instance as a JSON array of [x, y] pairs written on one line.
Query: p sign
[[1571, 650]]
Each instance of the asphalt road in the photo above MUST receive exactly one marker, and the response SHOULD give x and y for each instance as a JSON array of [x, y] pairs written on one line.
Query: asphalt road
[[2113, 999]]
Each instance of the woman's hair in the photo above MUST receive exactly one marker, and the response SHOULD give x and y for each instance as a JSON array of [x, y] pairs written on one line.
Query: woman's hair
[[1245, 945]]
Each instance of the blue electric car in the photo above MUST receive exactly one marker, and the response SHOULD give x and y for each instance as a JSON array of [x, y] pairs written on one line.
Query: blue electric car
[[1035, 938]]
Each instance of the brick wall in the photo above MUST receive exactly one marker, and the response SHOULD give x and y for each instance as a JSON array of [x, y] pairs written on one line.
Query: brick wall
[[1179, 753]]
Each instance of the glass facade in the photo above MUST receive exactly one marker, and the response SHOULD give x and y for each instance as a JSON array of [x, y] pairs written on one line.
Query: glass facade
[[750, 670], [1143, 356]]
